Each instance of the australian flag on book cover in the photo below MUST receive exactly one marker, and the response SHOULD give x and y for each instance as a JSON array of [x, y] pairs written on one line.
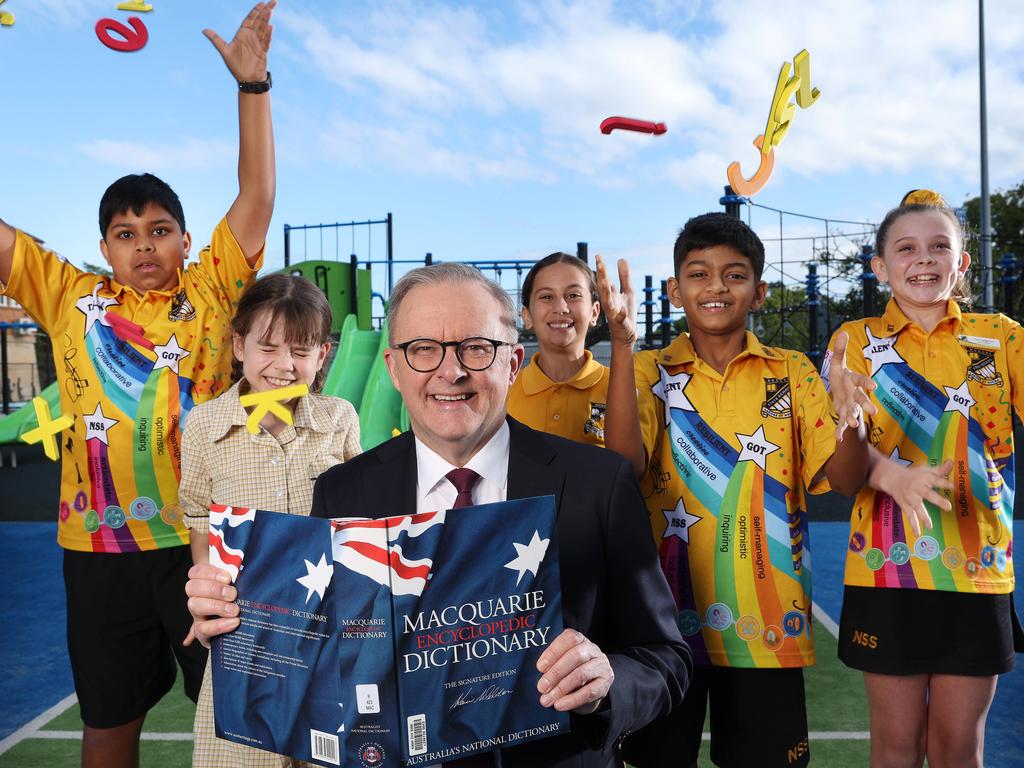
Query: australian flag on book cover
[[406, 640]]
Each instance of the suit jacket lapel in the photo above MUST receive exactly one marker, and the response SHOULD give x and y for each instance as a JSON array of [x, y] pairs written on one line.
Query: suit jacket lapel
[[531, 467], [393, 480]]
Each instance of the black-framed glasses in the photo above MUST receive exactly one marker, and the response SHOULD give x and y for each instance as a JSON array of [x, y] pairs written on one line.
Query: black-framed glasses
[[474, 354]]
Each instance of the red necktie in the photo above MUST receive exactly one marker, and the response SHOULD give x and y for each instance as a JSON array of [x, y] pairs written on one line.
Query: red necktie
[[464, 479]]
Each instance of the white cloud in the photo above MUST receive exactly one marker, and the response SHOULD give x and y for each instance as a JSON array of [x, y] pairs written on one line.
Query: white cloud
[[898, 83], [189, 153]]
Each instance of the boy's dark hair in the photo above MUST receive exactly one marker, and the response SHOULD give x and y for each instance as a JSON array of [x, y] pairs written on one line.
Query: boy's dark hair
[[134, 192], [292, 300], [711, 229], [558, 258]]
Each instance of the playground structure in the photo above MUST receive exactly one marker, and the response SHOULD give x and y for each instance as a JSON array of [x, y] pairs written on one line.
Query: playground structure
[[818, 271]]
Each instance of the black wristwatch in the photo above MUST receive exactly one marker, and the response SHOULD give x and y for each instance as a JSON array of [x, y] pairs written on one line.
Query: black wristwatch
[[261, 86]]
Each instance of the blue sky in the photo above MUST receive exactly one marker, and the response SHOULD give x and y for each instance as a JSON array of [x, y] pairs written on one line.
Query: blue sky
[[476, 124]]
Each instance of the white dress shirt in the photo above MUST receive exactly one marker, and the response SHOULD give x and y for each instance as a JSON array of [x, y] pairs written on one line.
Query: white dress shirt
[[434, 491]]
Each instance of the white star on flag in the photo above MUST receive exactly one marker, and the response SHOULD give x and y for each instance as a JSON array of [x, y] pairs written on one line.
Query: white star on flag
[[669, 389], [880, 351], [895, 456], [528, 556], [679, 522], [94, 308], [959, 399], [756, 447], [168, 355], [317, 577], [97, 425], [341, 728]]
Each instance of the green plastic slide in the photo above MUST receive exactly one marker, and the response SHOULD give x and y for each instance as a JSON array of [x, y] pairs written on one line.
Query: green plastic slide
[[352, 362], [360, 375], [380, 411], [14, 425]]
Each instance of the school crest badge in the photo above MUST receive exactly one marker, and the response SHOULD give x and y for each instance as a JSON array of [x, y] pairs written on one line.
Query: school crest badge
[[983, 367], [778, 404], [181, 308], [595, 424]]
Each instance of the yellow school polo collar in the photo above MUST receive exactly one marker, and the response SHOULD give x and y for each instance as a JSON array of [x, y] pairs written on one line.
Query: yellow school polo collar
[[894, 321], [681, 351], [536, 381]]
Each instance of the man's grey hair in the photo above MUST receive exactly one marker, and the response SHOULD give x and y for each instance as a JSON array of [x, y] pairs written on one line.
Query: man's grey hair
[[446, 273]]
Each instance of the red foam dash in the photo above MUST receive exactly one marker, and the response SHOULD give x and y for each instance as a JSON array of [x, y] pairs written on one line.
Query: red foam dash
[[609, 124]]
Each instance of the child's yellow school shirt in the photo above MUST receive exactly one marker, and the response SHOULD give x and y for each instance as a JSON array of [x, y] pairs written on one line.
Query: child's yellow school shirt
[[947, 394], [728, 458], [573, 409], [130, 368]]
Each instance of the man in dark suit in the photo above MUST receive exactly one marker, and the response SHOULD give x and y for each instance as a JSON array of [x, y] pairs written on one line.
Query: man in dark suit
[[453, 355]]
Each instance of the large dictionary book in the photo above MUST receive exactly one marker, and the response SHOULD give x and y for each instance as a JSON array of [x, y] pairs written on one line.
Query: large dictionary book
[[401, 641]]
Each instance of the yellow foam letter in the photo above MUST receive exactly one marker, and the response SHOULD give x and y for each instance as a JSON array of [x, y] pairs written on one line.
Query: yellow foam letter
[[806, 95], [135, 5], [6, 19], [270, 402], [47, 429]]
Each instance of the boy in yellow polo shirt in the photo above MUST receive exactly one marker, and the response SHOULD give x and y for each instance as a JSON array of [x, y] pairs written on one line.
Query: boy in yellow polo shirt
[[725, 433], [137, 351]]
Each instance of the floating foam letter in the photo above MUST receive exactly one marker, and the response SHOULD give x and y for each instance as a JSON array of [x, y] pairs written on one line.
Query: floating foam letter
[[135, 37], [271, 401], [47, 429], [752, 186]]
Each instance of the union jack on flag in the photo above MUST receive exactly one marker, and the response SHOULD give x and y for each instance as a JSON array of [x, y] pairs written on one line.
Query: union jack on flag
[[222, 554], [377, 549]]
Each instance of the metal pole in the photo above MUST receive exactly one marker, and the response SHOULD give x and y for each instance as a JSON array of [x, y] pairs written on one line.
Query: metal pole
[[581, 251], [666, 324], [353, 298], [390, 256], [867, 278], [812, 313], [287, 245], [986, 216], [648, 311], [428, 259], [6, 386]]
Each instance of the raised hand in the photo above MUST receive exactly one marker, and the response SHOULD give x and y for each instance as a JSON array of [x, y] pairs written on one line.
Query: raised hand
[[246, 55], [618, 303], [849, 390]]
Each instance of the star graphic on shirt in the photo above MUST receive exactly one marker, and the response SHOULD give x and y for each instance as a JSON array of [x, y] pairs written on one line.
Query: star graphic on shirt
[[679, 522], [528, 556], [98, 426], [880, 351], [317, 577], [959, 399], [94, 307], [341, 728], [895, 456], [756, 447], [168, 355], [669, 389]]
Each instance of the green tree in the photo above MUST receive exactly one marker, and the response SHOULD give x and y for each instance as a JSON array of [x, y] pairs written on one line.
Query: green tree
[[1007, 213]]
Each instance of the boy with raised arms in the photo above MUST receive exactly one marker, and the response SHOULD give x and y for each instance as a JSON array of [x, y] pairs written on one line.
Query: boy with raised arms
[[137, 351]]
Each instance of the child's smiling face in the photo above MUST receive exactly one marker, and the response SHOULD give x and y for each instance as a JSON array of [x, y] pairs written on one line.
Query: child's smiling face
[[561, 308], [717, 288], [922, 259]]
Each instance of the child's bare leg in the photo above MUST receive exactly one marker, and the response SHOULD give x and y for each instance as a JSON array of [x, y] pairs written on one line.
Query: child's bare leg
[[898, 711], [957, 708], [112, 747]]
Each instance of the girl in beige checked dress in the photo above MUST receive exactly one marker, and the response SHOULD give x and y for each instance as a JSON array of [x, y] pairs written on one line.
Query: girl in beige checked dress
[[280, 337]]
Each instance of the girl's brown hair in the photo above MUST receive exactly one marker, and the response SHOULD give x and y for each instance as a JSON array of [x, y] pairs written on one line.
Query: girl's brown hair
[[558, 258], [291, 300], [962, 289]]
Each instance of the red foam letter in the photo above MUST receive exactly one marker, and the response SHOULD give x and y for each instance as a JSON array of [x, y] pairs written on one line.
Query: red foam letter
[[135, 37]]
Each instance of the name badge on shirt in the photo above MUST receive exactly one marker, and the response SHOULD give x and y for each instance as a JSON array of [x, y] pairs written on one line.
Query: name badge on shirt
[[978, 341]]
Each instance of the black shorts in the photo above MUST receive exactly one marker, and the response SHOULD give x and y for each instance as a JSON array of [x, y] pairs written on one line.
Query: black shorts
[[127, 616], [921, 631], [758, 718]]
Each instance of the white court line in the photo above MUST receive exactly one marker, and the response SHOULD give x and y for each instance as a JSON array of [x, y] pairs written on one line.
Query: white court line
[[825, 736], [29, 729], [77, 736], [826, 621]]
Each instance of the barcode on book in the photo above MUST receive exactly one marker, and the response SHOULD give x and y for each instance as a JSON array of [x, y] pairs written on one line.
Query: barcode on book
[[324, 746], [417, 734]]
